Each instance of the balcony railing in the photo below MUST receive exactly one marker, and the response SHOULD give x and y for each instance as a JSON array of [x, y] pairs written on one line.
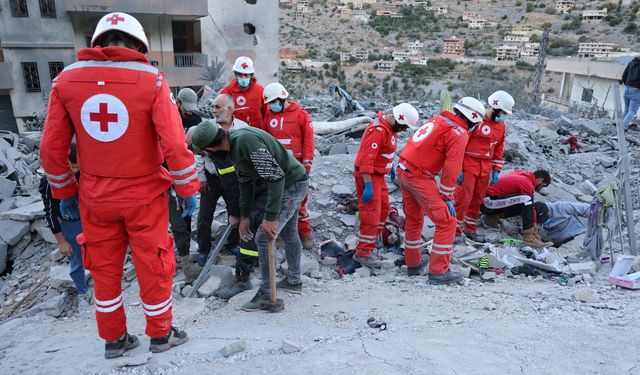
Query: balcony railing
[[189, 59], [178, 59]]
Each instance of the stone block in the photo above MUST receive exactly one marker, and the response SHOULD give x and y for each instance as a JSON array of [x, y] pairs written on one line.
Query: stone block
[[12, 231], [210, 286], [308, 265], [349, 220], [59, 277], [55, 306], [363, 272], [225, 273], [338, 149]]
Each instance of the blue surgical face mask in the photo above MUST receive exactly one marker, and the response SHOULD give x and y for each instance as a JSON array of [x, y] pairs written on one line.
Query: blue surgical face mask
[[244, 82], [547, 222], [501, 118], [275, 107]]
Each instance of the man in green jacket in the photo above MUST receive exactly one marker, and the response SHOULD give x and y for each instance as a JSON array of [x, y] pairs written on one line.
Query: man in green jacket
[[258, 156]]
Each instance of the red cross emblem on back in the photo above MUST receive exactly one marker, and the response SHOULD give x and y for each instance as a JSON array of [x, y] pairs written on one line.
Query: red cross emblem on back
[[104, 117], [495, 101], [114, 19], [244, 66]]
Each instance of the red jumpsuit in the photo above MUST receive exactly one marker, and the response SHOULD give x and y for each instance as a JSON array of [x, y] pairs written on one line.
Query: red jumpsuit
[[249, 103], [293, 129], [438, 146], [482, 156], [375, 158], [125, 121]]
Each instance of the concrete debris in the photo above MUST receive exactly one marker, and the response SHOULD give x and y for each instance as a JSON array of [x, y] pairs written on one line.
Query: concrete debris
[[55, 306], [233, 348], [583, 268], [12, 231], [134, 360], [586, 295], [210, 286], [289, 347], [587, 188]]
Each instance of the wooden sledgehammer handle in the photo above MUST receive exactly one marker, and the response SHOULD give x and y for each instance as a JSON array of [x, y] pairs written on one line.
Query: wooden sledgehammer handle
[[272, 272]]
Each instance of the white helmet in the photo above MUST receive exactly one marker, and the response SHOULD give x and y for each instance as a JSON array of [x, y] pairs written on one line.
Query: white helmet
[[121, 22], [501, 100], [406, 114], [471, 108], [243, 65], [274, 91]]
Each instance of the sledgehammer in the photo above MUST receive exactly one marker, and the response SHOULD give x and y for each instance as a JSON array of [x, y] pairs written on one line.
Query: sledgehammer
[[274, 304]]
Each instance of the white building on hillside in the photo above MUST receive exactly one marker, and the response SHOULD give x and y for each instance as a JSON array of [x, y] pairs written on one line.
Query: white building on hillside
[[507, 53], [564, 6], [590, 50], [594, 15], [530, 50]]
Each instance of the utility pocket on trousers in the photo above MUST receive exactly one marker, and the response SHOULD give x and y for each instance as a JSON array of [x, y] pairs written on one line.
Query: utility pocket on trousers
[[165, 263], [85, 254]]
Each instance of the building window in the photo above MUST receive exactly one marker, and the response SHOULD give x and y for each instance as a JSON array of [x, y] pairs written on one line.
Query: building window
[[55, 68], [19, 8], [31, 78], [587, 95], [48, 8]]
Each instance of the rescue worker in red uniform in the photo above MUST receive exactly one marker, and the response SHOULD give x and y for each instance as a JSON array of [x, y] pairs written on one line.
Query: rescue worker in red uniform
[[513, 195], [246, 93], [373, 161], [482, 163], [291, 125], [126, 123], [436, 147]]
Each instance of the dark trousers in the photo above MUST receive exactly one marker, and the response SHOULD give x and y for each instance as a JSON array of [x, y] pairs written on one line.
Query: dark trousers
[[180, 227], [225, 186], [247, 257], [510, 206]]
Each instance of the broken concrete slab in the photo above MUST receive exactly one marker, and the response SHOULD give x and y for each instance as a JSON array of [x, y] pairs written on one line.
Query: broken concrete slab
[[12, 231], [3, 256], [349, 220], [7, 187], [24, 213], [582, 268], [55, 306], [187, 308], [225, 273], [342, 191], [351, 242], [59, 277], [133, 360]]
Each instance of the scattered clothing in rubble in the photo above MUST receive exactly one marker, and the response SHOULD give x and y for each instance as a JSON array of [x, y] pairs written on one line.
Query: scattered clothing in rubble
[[561, 220]]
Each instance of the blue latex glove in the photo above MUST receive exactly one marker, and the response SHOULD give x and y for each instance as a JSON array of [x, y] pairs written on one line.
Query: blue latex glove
[[188, 205], [367, 194], [392, 174], [451, 208], [69, 208], [306, 176], [494, 177], [460, 178]]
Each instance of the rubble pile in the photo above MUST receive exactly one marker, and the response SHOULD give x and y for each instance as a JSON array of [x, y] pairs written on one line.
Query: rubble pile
[[35, 276]]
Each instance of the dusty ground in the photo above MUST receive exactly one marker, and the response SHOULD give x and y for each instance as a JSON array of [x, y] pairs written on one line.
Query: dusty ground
[[511, 326]]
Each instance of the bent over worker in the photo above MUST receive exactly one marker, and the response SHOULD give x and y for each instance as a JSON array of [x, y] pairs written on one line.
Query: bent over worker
[[258, 157], [373, 161], [436, 147], [291, 125], [125, 121], [482, 163]]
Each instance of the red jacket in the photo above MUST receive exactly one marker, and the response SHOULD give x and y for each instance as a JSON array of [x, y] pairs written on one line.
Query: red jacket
[[249, 104], [514, 183], [125, 121], [486, 142], [377, 148], [437, 146], [293, 129]]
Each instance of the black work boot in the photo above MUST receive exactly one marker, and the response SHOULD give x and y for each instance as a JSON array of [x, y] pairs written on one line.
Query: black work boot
[[475, 237], [445, 278], [175, 337], [237, 288], [413, 271], [114, 349]]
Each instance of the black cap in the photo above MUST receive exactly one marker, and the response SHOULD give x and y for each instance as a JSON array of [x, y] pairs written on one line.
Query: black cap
[[542, 212]]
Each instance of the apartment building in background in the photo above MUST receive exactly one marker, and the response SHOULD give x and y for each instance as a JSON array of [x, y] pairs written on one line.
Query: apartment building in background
[[39, 38]]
